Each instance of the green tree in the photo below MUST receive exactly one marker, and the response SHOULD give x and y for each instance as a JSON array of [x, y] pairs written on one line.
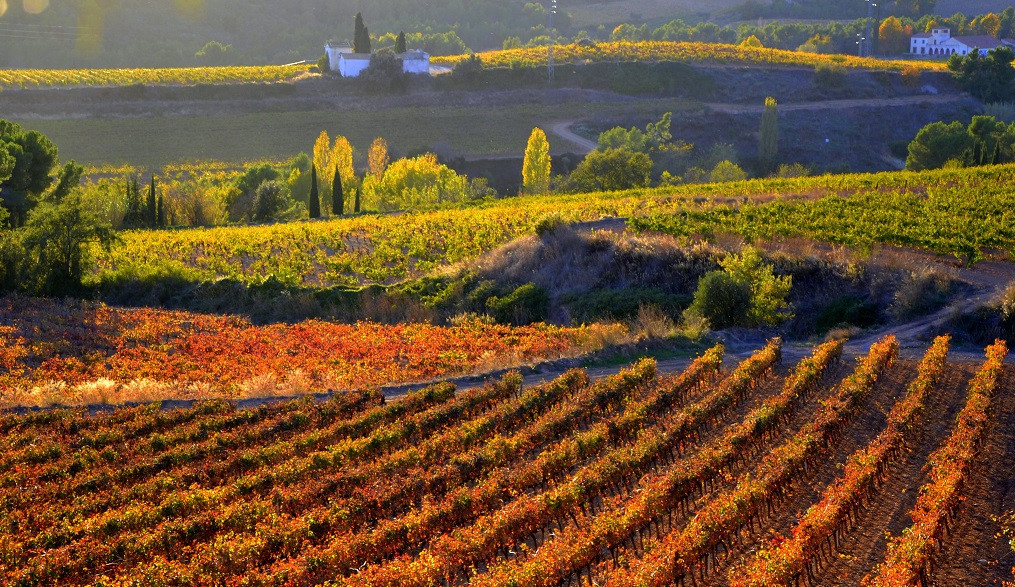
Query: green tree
[[7, 162], [400, 43], [133, 206], [34, 157], [990, 78], [726, 171], [536, 165], [161, 219], [337, 195], [768, 292], [314, 204], [214, 54], [58, 236], [272, 202], [721, 300], [361, 36], [613, 169], [356, 201], [768, 143], [937, 143], [152, 206]]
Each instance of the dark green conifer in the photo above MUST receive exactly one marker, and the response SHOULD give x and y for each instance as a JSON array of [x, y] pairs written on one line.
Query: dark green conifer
[[315, 198]]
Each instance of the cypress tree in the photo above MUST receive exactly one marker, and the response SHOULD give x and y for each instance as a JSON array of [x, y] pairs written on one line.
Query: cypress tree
[[337, 197], [996, 157], [400, 43], [151, 210], [356, 208], [132, 215], [315, 199], [361, 38], [162, 212]]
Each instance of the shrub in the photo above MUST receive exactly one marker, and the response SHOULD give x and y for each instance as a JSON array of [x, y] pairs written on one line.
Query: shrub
[[612, 169], [722, 300], [911, 76], [829, 77], [273, 202], [529, 303]]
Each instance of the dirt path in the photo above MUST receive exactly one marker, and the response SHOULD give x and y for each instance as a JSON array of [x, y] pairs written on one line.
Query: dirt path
[[838, 104], [563, 128]]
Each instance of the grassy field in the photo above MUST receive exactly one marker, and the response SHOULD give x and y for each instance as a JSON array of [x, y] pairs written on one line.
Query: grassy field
[[155, 142]]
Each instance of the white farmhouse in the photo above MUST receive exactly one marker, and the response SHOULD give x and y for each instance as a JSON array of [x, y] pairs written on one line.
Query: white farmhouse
[[347, 63], [941, 43]]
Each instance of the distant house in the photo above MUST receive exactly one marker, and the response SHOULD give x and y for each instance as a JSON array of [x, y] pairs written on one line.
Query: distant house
[[342, 59], [941, 43]]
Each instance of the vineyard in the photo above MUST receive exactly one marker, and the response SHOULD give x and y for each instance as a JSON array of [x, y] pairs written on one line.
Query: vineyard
[[81, 353], [66, 78], [966, 213], [709, 53], [639, 478]]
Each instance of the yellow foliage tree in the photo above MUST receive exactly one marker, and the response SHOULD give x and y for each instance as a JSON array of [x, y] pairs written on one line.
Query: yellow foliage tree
[[419, 182], [986, 24], [536, 166], [322, 156], [751, 41], [377, 158], [893, 36]]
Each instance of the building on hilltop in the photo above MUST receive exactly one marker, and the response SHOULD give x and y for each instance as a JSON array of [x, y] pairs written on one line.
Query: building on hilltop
[[347, 63], [941, 43]]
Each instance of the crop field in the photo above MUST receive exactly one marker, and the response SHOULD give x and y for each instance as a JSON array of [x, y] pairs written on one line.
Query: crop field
[[964, 213], [84, 353], [758, 474], [65, 78], [711, 53], [241, 137]]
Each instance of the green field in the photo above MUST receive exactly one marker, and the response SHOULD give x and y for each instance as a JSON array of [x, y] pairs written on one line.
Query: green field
[[155, 142]]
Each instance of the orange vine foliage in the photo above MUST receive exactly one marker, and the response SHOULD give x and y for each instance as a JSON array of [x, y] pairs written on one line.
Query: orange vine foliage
[[72, 353]]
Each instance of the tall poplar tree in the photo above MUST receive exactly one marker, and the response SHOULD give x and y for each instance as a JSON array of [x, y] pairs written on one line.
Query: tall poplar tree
[[768, 145], [536, 166]]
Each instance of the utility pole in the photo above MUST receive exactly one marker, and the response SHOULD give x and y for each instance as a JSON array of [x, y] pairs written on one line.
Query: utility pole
[[553, 40], [867, 46]]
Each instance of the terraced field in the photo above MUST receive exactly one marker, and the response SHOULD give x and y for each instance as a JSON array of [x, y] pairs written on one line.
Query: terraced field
[[641, 478]]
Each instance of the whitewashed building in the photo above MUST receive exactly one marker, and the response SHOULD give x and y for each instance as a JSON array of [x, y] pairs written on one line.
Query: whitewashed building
[[342, 59], [940, 43]]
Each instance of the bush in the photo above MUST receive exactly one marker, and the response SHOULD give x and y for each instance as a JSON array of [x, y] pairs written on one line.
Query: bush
[[612, 169], [623, 304], [529, 303], [722, 300], [829, 77], [272, 202]]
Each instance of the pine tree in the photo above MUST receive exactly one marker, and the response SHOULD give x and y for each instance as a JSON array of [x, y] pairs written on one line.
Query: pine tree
[[400, 46], [536, 166], [337, 197], [315, 199], [356, 204], [768, 146], [151, 209]]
